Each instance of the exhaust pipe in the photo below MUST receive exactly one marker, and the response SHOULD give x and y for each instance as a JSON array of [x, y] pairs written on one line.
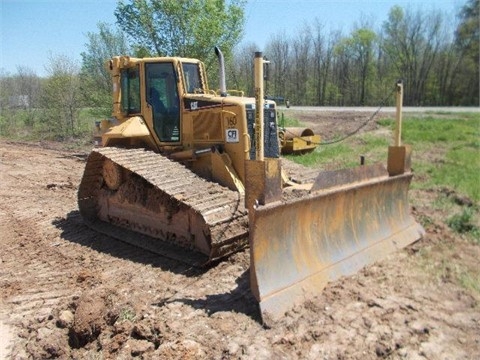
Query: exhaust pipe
[[221, 61]]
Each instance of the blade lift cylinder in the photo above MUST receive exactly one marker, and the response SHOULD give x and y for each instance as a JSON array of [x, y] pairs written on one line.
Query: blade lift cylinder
[[263, 175]]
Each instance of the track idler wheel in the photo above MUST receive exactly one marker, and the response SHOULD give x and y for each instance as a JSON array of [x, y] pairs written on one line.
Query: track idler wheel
[[112, 174]]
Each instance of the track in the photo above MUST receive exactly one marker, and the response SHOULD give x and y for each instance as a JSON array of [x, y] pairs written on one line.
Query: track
[[164, 201]]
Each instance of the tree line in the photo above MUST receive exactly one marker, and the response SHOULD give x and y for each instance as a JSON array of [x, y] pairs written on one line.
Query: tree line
[[438, 66], [437, 61]]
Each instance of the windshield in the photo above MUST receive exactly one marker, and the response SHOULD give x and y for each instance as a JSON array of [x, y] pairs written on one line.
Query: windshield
[[162, 96]]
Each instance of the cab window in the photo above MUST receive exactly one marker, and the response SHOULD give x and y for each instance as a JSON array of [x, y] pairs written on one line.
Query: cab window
[[130, 91], [193, 84]]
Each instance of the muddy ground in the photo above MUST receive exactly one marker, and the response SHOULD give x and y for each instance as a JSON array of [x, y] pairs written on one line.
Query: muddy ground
[[68, 292]]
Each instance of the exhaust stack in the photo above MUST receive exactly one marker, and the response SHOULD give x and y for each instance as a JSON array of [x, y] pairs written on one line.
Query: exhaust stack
[[221, 73]]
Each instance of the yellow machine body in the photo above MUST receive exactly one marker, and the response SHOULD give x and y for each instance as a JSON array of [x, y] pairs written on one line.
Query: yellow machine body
[[298, 140]]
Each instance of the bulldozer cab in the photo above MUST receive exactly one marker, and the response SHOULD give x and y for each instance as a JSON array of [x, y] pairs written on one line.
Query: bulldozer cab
[[164, 104], [154, 89], [192, 79]]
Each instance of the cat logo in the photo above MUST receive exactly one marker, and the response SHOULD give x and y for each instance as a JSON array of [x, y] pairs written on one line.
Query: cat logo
[[232, 135], [194, 105]]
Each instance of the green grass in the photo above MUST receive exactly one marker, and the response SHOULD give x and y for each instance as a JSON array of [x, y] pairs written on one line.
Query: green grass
[[127, 314], [346, 153], [285, 121], [457, 143], [448, 268], [464, 223], [470, 280], [445, 154], [322, 155]]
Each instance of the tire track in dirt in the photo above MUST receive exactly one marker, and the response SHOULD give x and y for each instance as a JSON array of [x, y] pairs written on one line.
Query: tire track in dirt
[[39, 276]]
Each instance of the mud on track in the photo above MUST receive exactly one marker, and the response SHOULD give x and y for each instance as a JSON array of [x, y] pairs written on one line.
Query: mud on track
[[68, 292]]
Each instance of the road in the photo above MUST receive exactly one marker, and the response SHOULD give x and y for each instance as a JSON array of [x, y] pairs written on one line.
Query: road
[[387, 109]]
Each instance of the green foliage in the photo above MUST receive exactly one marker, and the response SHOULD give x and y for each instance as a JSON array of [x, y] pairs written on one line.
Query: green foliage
[[189, 28], [95, 80], [438, 65], [467, 41], [411, 45], [50, 107], [60, 101], [13, 125], [8, 124], [356, 53]]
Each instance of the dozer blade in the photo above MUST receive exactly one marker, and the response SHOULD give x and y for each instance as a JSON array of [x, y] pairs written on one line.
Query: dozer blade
[[350, 218]]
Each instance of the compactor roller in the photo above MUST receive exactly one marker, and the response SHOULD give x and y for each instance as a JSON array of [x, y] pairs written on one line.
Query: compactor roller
[[196, 174]]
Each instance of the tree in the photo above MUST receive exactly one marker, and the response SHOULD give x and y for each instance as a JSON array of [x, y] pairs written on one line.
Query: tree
[[412, 42], [278, 51], [358, 50], [188, 28], [467, 40], [27, 90], [440, 66], [19, 100], [96, 83], [61, 99], [301, 57], [322, 48], [241, 74]]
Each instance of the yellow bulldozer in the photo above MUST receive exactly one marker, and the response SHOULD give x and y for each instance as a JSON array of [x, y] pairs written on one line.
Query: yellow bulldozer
[[196, 174]]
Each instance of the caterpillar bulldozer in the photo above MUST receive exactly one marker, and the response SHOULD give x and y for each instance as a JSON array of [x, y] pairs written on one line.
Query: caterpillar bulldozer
[[196, 174]]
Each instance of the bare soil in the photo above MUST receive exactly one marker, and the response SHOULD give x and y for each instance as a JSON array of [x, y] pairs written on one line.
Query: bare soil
[[68, 292]]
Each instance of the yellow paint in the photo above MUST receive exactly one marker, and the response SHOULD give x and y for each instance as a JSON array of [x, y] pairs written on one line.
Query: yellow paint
[[133, 127]]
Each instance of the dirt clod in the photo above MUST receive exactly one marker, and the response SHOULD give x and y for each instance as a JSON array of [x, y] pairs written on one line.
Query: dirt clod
[[89, 319]]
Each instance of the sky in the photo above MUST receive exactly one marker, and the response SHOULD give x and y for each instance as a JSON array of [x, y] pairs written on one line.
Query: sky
[[34, 31]]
